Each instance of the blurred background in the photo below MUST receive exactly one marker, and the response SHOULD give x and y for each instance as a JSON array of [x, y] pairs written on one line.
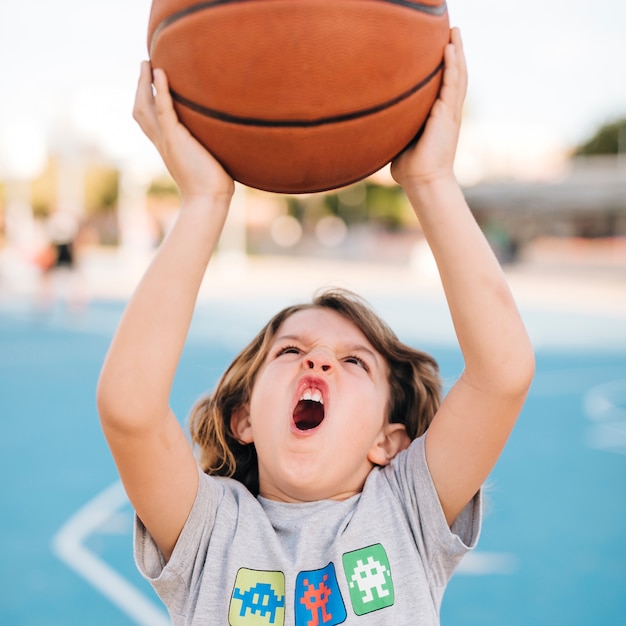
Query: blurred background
[[85, 201]]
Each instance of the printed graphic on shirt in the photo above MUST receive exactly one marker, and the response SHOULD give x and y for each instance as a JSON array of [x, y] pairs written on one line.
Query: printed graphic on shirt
[[258, 599], [318, 599], [369, 579]]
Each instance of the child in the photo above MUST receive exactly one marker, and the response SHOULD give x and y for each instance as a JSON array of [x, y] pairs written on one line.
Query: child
[[354, 491]]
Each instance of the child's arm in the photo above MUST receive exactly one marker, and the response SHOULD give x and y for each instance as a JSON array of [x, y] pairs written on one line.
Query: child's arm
[[470, 429], [153, 456]]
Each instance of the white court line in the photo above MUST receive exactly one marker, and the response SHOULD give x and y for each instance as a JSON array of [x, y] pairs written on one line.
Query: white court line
[[488, 563], [605, 406], [68, 546]]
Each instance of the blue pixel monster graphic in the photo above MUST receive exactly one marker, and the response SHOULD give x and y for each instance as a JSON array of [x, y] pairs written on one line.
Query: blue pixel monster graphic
[[318, 599], [258, 599]]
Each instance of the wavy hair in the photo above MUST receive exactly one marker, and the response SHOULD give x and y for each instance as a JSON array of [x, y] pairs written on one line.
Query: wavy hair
[[414, 387]]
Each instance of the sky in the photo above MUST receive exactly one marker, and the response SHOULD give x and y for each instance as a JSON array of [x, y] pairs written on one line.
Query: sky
[[544, 74]]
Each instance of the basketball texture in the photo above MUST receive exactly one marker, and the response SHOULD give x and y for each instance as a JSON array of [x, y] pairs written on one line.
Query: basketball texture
[[297, 96]]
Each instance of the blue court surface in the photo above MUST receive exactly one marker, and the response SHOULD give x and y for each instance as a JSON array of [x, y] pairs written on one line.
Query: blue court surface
[[553, 548]]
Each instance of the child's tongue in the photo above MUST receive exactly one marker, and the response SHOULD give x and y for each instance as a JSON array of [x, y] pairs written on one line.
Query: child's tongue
[[308, 414]]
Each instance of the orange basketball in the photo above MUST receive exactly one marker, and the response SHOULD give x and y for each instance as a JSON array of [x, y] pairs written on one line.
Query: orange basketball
[[297, 96]]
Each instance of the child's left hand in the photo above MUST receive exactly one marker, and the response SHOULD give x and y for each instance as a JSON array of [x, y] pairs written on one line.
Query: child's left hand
[[432, 157]]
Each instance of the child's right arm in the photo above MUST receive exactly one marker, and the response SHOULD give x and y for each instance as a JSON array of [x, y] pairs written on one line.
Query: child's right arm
[[152, 454]]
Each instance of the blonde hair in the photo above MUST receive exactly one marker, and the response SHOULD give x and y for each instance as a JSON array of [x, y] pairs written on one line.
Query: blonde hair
[[414, 387]]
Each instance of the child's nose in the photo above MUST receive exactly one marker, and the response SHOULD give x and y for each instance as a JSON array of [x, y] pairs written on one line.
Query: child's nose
[[319, 360]]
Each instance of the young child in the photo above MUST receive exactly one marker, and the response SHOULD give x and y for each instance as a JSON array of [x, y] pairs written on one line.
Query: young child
[[335, 486]]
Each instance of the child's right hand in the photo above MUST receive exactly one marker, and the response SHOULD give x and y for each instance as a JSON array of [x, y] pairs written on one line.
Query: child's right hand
[[195, 170]]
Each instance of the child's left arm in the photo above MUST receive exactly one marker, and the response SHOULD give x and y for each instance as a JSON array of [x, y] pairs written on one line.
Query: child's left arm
[[475, 419]]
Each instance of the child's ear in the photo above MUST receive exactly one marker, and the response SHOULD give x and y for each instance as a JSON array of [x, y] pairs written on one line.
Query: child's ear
[[240, 424], [393, 438]]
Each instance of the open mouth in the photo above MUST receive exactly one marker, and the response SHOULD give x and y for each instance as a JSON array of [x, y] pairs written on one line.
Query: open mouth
[[309, 412]]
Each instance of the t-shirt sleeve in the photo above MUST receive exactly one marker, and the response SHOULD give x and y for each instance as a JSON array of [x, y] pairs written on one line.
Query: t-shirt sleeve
[[174, 579], [441, 546]]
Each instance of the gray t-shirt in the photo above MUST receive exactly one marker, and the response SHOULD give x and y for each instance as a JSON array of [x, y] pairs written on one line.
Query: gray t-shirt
[[381, 557]]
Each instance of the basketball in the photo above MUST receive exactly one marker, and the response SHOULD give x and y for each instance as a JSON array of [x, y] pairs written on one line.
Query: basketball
[[296, 96]]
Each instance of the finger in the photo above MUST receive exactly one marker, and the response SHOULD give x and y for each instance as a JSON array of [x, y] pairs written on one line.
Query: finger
[[457, 40], [144, 109], [455, 75], [163, 100], [455, 37], [143, 95]]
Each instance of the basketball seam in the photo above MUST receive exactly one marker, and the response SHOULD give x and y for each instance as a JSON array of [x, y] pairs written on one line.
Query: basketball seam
[[422, 8], [322, 121]]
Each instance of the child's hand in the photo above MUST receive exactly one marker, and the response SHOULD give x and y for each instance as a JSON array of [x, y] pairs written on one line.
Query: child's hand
[[432, 157], [195, 170]]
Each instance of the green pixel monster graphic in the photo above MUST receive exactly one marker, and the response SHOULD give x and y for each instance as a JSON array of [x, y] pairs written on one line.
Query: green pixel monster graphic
[[258, 599], [369, 579]]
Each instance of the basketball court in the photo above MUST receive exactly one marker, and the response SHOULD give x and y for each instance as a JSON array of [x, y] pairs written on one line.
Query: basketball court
[[553, 549]]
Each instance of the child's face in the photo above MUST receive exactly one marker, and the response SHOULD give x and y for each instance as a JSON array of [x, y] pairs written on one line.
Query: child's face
[[317, 413]]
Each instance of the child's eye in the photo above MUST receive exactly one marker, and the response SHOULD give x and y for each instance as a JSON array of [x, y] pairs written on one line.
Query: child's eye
[[357, 361], [288, 350]]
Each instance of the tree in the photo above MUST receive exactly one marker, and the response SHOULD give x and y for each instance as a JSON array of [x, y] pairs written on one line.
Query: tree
[[609, 139]]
